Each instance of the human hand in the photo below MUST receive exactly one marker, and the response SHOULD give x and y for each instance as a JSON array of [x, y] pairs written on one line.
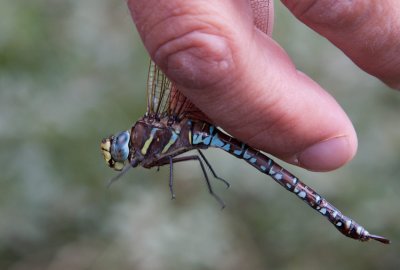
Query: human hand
[[248, 85]]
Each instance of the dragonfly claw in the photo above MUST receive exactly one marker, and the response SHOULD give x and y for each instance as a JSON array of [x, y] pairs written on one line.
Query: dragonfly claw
[[227, 184]]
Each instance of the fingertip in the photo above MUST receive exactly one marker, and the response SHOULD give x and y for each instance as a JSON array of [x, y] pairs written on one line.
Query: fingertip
[[327, 155], [330, 138]]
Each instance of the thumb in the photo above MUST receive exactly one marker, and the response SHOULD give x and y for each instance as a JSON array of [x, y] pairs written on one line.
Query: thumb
[[244, 81]]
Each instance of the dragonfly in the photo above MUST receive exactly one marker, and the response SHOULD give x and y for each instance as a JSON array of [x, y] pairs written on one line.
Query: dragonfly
[[173, 125]]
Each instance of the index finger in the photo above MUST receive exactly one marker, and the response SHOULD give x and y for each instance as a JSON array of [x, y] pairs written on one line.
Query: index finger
[[366, 31]]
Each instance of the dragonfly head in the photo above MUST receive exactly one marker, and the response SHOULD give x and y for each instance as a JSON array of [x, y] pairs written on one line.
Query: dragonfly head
[[115, 150]]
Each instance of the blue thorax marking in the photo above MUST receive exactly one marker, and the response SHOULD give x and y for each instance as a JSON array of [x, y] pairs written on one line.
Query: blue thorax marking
[[227, 147], [216, 142], [212, 130], [246, 155], [239, 152], [207, 140], [196, 139], [253, 160]]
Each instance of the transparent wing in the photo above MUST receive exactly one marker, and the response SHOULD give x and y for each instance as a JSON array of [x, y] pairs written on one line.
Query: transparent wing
[[263, 15], [165, 99], [158, 88]]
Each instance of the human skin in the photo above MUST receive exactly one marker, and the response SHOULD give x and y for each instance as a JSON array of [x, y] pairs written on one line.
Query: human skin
[[247, 84]]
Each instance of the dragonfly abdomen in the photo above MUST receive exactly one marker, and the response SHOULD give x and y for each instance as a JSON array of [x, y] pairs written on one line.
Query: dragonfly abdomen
[[209, 135]]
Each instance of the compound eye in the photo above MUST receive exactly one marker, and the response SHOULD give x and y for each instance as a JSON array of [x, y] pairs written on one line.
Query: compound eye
[[120, 147]]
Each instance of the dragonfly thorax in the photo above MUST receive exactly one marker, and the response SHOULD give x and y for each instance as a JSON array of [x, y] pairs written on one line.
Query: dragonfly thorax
[[154, 140]]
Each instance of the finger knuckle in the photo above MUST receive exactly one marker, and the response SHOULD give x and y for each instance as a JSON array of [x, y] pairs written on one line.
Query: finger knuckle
[[197, 58], [192, 49]]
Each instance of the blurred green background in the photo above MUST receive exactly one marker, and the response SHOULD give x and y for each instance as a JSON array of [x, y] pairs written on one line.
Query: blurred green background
[[72, 72]]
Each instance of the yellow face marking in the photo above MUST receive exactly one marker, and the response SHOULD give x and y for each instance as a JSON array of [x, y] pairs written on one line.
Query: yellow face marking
[[190, 136], [106, 145], [147, 143], [118, 166], [105, 149], [106, 155]]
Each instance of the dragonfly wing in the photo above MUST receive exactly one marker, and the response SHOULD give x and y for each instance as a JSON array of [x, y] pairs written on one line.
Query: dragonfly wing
[[263, 15], [182, 107], [165, 99], [158, 88]]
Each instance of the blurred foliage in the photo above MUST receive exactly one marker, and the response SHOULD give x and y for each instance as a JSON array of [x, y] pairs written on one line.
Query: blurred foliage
[[72, 72]]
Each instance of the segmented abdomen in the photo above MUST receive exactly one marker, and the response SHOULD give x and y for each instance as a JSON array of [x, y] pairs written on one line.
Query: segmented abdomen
[[204, 134]]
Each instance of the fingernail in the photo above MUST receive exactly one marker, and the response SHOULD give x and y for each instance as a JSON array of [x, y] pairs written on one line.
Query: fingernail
[[326, 155]]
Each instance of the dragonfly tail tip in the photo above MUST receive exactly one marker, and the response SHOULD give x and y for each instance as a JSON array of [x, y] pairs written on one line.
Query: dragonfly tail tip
[[379, 239]]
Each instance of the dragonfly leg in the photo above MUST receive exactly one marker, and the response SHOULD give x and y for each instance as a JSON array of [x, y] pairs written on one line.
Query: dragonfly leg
[[171, 178], [210, 189], [119, 175], [212, 170]]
